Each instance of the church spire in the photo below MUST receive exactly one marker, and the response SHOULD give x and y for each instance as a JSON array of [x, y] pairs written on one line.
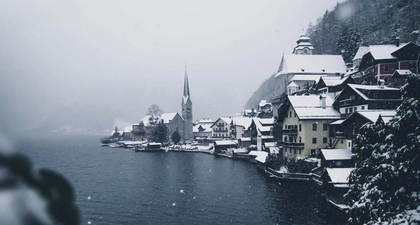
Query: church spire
[[186, 86]]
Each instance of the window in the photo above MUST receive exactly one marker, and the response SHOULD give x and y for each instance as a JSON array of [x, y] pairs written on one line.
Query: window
[[349, 144], [290, 114], [386, 68], [363, 107], [285, 127], [347, 110], [294, 151], [313, 140], [324, 140], [300, 127], [355, 109], [350, 110], [325, 126], [285, 138], [314, 126], [300, 139], [300, 151]]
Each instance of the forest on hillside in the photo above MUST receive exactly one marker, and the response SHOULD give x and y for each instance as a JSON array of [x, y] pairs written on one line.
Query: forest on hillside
[[354, 23]]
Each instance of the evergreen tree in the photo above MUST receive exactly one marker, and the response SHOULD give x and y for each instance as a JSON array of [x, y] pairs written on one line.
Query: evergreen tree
[[159, 133], [175, 137], [348, 42], [385, 187]]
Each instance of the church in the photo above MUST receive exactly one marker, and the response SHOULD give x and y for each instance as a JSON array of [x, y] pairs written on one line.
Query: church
[[173, 121]]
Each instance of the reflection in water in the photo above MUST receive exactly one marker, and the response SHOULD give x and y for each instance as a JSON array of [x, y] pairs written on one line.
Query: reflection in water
[[119, 186]]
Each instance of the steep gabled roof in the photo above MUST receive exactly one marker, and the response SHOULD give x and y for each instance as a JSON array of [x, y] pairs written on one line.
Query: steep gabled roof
[[311, 64], [309, 107]]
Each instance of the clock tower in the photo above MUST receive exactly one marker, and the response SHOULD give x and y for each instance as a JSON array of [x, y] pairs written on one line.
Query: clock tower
[[303, 47]]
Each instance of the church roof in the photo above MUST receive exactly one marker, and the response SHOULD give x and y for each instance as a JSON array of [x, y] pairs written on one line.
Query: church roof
[[186, 95], [311, 64]]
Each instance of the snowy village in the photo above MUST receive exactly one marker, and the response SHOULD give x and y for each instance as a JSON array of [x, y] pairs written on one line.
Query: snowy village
[[317, 128], [210, 112]]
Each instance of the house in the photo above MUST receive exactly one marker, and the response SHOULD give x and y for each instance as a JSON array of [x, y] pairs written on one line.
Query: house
[[265, 109], [381, 61], [333, 85], [239, 127], [336, 158], [336, 185], [223, 145], [202, 129], [305, 121], [260, 132], [140, 132], [344, 132], [400, 77], [365, 97], [302, 82], [221, 128]]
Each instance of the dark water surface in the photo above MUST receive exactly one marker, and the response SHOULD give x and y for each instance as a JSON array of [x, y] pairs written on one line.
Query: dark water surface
[[119, 186]]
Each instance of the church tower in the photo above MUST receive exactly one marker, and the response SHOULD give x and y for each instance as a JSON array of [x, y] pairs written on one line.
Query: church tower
[[187, 113], [303, 47]]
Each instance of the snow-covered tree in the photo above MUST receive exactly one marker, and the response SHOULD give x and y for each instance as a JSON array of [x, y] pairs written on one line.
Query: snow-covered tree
[[159, 133], [385, 186]]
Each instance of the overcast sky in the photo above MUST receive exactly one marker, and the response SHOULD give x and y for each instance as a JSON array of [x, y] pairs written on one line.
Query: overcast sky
[[95, 63]]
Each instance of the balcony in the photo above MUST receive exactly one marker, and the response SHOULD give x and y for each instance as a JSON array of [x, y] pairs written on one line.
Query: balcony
[[291, 144], [290, 132], [220, 130]]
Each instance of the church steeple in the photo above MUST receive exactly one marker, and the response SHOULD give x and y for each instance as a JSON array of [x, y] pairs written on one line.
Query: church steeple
[[187, 113], [186, 86]]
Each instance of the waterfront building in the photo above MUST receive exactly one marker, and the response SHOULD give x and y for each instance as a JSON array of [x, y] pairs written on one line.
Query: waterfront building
[[305, 121], [187, 111], [260, 131], [202, 129], [239, 127], [221, 128]]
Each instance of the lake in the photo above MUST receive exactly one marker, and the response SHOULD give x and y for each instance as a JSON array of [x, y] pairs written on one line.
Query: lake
[[119, 186]]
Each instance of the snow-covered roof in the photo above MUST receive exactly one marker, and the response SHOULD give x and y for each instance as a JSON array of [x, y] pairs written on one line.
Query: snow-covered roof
[[312, 64], [339, 175], [301, 77], [167, 117], [270, 144], [402, 73], [308, 101], [242, 121], [337, 122], [205, 120], [206, 127], [317, 113], [226, 120], [226, 142], [263, 103], [261, 155], [360, 52], [384, 51], [333, 80], [358, 87], [309, 107], [373, 115], [336, 154], [267, 121]]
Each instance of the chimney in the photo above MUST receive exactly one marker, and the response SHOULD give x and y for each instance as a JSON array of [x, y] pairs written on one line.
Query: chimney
[[397, 41], [323, 101], [381, 84]]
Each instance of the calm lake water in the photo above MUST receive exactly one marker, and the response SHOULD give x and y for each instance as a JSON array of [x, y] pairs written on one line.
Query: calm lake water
[[119, 186]]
